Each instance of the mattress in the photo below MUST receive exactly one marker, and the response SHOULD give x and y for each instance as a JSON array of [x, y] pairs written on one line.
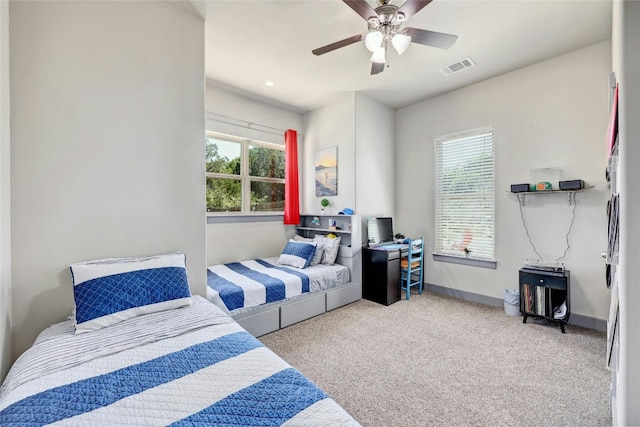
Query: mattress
[[185, 366], [240, 286]]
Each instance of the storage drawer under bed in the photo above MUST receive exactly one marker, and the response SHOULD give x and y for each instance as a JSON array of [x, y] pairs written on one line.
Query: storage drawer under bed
[[261, 323], [343, 296], [301, 310]]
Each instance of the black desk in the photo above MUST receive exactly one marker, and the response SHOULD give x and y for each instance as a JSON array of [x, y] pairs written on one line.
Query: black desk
[[381, 273]]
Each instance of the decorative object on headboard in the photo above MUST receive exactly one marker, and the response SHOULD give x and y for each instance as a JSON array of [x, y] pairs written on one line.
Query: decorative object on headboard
[[324, 203]]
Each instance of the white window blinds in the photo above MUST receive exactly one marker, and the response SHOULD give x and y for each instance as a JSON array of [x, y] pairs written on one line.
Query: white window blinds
[[465, 194]]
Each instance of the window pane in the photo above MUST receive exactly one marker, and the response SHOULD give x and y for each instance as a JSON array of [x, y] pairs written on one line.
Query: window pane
[[223, 156], [266, 162], [224, 195], [465, 195], [267, 196]]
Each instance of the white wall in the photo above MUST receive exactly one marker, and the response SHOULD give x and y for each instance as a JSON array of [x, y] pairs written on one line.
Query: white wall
[[552, 114], [229, 242], [230, 113], [330, 126], [5, 195], [626, 65], [375, 159], [107, 122], [363, 131]]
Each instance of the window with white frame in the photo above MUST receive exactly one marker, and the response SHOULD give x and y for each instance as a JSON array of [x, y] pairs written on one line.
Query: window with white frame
[[244, 176], [465, 195]]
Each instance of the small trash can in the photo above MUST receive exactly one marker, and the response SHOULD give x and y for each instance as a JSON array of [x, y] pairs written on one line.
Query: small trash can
[[512, 302]]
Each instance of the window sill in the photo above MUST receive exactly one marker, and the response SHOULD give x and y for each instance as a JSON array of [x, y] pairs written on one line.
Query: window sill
[[238, 217], [466, 261]]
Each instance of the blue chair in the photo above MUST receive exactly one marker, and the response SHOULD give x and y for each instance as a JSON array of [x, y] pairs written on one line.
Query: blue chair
[[412, 266]]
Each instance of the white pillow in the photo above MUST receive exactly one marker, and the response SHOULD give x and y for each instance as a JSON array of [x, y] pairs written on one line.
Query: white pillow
[[297, 254], [110, 290], [317, 256], [331, 248]]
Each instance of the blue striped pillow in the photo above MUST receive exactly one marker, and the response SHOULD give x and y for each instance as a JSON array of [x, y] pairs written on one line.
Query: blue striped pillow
[[110, 290], [297, 254]]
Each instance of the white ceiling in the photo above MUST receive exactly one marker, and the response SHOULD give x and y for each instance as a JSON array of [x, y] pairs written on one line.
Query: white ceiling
[[250, 42]]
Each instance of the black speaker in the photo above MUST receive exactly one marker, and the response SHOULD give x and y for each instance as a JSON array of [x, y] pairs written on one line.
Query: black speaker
[[575, 184], [519, 188]]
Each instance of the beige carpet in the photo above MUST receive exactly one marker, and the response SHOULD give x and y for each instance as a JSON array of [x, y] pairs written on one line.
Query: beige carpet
[[440, 361]]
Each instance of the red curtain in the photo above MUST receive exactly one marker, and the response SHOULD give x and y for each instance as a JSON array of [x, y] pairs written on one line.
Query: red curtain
[[291, 189]]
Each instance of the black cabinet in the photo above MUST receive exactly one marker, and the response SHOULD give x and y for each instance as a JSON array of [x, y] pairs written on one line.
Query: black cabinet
[[381, 275], [545, 295]]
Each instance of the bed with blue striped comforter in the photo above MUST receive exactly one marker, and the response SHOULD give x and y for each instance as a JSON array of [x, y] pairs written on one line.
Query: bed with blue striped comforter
[[246, 284], [186, 366]]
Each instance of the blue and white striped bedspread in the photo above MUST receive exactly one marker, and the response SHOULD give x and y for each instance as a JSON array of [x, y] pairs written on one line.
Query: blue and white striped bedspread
[[185, 366], [255, 282]]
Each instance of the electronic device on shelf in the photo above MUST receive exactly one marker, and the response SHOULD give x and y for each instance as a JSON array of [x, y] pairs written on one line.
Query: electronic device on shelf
[[519, 188], [575, 184], [536, 266]]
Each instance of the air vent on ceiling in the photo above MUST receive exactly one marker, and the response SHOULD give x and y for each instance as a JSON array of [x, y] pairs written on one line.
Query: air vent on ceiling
[[457, 66]]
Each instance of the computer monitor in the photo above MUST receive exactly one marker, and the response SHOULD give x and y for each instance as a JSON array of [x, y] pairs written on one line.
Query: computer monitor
[[379, 230]]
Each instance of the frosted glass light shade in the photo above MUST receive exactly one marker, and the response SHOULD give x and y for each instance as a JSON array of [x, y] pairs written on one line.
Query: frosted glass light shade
[[373, 40], [401, 42], [379, 55]]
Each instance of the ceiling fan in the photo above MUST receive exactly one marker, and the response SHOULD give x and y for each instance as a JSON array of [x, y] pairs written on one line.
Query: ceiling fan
[[384, 29]]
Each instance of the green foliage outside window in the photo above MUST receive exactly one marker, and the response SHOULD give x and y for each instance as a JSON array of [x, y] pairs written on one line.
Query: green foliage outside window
[[224, 195], [266, 162], [217, 163]]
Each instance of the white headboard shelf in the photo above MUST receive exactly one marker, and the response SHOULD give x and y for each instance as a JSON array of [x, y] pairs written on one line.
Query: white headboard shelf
[[347, 227]]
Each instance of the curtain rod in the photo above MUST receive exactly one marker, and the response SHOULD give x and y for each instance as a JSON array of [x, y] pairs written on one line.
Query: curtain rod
[[246, 124]]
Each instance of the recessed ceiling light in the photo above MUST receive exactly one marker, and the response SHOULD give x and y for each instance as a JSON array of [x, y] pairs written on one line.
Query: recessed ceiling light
[[269, 83]]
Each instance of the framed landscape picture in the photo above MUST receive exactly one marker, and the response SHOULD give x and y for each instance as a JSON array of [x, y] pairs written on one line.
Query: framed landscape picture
[[326, 165]]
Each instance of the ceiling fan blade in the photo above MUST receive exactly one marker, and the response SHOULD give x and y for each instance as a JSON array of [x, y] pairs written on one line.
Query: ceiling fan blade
[[337, 45], [376, 68], [362, 8], [411, 7], [431, 38]]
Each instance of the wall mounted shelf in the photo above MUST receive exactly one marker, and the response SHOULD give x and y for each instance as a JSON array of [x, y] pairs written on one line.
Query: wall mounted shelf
[[571, 194]]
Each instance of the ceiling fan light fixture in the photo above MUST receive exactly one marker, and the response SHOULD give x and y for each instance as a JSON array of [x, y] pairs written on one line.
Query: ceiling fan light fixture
[[384, 28], [379, 55], [373, 40], [401, 42]]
